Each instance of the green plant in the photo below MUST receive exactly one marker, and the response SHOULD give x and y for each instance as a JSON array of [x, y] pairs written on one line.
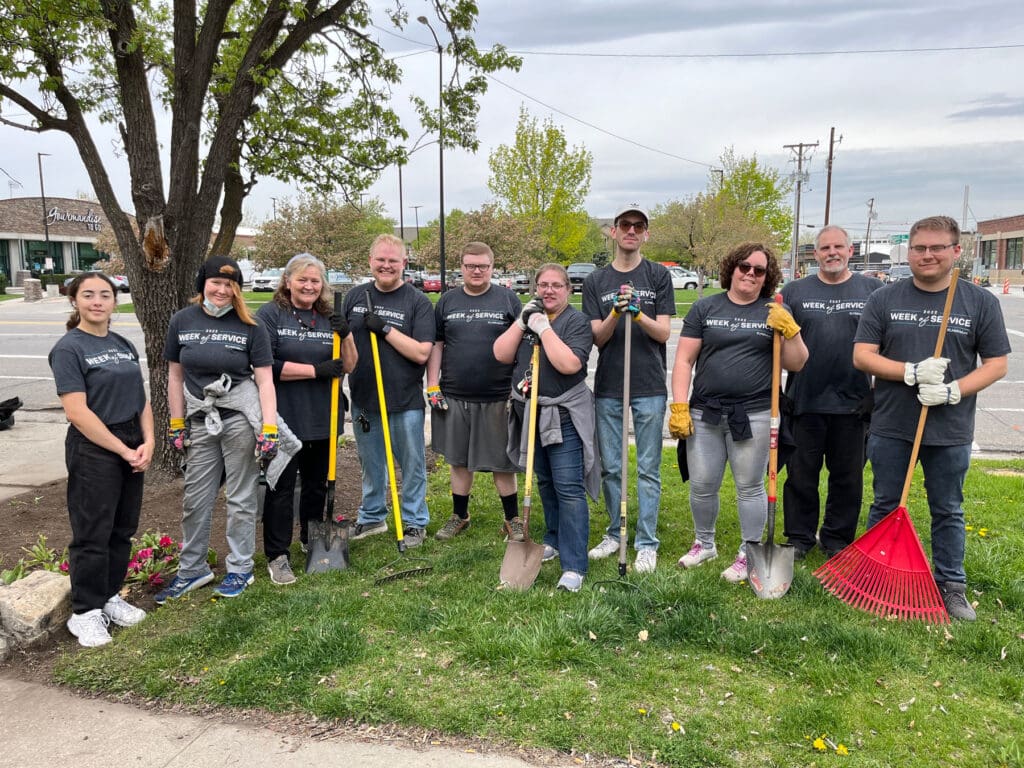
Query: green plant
[[11, 575], [3, 283], [42, 556], [154, 557]]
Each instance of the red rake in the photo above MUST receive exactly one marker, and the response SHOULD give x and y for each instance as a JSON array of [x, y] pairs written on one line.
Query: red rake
[[886, 571]]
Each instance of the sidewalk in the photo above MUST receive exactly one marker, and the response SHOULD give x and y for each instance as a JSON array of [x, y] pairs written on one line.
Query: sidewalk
[[50, 726], [32, 452]]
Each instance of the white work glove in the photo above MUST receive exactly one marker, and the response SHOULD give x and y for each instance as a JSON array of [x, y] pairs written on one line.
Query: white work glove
[[939, 394], [931, 370], [539, 323]]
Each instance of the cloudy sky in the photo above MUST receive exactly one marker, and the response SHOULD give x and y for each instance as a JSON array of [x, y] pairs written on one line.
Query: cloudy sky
[[927, 96]]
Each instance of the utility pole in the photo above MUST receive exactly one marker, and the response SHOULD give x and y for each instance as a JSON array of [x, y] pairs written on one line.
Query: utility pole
[[416, 209], [42, 193], [867, 233], [799, 176], [963, 221], [828, 183]]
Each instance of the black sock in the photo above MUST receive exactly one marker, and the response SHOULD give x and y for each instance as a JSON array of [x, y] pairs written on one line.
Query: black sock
[[510, 505], [460, 505]]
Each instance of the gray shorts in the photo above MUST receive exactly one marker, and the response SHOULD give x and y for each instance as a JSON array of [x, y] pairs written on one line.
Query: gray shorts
[[472, 435]]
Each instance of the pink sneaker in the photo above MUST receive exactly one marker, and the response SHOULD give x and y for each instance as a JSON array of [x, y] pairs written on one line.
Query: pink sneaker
[[736, 572], [698, 554]]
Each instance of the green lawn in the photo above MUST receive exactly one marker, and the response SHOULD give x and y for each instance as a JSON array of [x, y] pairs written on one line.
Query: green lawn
[[682, 670]]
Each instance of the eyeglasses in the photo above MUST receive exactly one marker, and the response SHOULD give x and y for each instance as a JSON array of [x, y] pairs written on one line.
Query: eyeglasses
[[550, 286], [746, 266], [934, 250], [476, 267], [637, 226]]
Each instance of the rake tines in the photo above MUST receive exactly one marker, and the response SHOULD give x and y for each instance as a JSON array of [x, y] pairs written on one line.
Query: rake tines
[[886, 572]]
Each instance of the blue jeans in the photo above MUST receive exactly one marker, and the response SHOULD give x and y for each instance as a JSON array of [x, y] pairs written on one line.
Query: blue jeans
[[559, 470], [945, 467], [407, 444], [648, 422], [707, 451]]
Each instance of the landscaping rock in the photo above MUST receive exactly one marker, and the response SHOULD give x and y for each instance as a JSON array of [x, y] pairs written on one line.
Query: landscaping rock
[[5, 648], [34, 606]]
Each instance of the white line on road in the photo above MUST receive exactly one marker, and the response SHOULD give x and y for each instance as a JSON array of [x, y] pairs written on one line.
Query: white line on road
[[1015, 333]]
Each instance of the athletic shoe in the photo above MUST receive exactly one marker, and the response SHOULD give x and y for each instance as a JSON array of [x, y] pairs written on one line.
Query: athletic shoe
[[606, 548], [180, 586], [414, 537], [736, 572], [800, 553], [90, 628], [954, 595], [123, 613], [362, 530], [570, 581], [698, 554], [280, 571], [234, 584], [514, 529], [550, 553], [646, 561], [452, 528]]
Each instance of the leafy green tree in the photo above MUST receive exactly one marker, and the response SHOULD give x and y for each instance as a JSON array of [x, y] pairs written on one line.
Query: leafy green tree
[[517, 243], [539, 177], [295, 91], [760, 192]]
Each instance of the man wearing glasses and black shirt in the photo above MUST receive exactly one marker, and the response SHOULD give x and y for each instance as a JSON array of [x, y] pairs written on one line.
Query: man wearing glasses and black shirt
[[630, 284], [895, 342], [468, 389]]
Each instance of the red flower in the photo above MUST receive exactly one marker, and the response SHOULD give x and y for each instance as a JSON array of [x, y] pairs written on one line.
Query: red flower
[[165, 541], [64, 567], [155, 579]]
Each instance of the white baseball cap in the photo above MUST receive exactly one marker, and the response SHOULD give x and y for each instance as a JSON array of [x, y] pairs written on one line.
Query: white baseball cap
[[631, 207]]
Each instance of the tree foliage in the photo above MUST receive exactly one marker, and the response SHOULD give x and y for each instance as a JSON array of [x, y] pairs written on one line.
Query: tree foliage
[[517, 243], [539, 177], [295, 91], [760, 193]]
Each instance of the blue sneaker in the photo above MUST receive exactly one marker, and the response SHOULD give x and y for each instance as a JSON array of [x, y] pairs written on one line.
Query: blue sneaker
[[234, 584], [180, 586]]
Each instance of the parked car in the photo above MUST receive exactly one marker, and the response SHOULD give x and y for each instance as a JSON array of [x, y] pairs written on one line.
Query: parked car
[[120, 282], [431, 283], [684, 279], [267, 280], [338, 279], [577, 272], [521, 283], [899, 272]]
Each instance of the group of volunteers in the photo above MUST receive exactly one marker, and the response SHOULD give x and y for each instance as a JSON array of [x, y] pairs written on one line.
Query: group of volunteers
[[248, 392]]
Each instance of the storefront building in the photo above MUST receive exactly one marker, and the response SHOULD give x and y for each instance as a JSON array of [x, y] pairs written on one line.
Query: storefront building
[[63, 241]]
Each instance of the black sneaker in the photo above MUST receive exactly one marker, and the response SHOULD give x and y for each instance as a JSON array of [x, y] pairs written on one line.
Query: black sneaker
[[954, 595], [414, 537], [362, 530]]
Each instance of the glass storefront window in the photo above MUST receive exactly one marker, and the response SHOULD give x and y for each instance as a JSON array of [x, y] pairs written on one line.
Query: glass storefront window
[[1014, 256], [36, 253], [87, 256]]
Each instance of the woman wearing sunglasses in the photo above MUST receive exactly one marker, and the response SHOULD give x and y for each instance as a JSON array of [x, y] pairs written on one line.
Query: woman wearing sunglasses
[[727, 339]]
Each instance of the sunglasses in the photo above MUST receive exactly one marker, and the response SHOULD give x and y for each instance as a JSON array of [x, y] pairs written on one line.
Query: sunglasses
[[745, 266], [637, 226]]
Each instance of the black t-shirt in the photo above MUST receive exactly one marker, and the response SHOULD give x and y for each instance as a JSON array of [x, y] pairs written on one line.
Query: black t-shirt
[[828, 315], [904, 322], [652, 286], [573, 328], [468, 326], [735, 359], [409, 311], [207, 347], [300, 336], [105, 368]]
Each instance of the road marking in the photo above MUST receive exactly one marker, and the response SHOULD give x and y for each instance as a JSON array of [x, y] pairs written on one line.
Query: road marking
[[28, 378], [1015, 333]]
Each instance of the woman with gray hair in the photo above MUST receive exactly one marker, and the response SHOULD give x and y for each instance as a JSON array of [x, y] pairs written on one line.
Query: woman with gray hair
[[301, 326]]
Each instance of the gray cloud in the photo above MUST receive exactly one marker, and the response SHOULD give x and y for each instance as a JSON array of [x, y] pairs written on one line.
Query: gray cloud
[[996, 105]]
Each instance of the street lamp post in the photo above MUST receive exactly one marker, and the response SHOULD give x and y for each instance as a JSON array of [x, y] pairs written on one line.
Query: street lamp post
[[440, 139], [416, 209], [42, 195]]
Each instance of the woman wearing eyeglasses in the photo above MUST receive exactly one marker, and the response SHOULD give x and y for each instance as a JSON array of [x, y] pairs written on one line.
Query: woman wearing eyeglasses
[[565, 461], [727, 338]]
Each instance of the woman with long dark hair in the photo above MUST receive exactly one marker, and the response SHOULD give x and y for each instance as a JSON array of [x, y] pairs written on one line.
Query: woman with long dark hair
[[108, 447]]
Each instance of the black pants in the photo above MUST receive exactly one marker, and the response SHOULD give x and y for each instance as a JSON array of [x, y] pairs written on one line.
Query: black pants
[[104, 502], [839, 440], [278, 506]]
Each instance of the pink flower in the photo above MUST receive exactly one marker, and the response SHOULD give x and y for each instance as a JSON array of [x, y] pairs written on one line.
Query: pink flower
[[144, 554], [168, 558], [165, 541], [155, 579], [64, 567]]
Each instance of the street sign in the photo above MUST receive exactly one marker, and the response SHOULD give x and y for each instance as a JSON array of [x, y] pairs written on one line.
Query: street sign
[[898, 239]]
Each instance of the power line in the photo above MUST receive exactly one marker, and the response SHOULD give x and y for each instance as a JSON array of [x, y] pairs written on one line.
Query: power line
[[768, 54]]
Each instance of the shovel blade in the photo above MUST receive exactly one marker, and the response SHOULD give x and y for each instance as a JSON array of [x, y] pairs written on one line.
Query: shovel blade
[[521, 564], [327, 549], [770, 568]]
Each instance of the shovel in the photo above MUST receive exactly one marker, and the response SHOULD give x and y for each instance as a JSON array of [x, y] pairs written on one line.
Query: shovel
[[771, 565], [521, 564], [328, 538]]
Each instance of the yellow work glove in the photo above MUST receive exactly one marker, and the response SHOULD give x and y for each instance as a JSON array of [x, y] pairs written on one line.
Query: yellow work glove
[[780, 320], [680, 425]]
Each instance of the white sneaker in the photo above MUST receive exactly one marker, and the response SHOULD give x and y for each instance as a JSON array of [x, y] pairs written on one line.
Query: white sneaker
[[736, 572], [646, 561], [698, 554], [606, 548], [123, 613], [571, 581], [90, 628], [550, 553]]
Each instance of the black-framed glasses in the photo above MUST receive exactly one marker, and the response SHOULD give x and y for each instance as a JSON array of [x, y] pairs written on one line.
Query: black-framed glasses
[[934, 250], [476, 267], [745, 266], [637, 226]]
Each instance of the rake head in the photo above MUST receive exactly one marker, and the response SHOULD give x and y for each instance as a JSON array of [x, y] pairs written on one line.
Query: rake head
[[387, 573], [886, 572]]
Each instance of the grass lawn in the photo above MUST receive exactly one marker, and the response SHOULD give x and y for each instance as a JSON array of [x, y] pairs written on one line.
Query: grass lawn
[[684, 670]]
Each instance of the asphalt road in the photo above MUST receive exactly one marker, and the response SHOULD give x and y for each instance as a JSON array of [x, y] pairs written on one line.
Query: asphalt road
[[28, 331]]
